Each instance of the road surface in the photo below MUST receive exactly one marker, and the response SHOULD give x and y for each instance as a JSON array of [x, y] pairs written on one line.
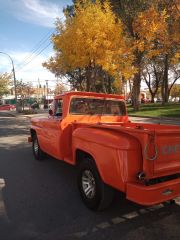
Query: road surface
[[40, 200]]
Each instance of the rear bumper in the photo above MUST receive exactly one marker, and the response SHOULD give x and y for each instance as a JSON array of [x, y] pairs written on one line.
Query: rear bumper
[[154, 194]]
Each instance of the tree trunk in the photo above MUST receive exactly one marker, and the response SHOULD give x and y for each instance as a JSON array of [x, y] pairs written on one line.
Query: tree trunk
[[152, 97], [93, 70], [136, 90], [165, 81], [137, 82], [88, 79], [153, 94], [93, 79], [88, 84], [103, 81], [109, 84]]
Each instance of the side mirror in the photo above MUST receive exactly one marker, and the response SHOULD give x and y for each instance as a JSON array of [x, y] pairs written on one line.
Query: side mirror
[[50, 112]]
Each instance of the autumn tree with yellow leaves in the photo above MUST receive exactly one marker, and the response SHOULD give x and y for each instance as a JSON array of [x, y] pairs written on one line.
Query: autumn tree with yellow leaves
[[158, 29], [153, 27], [5, 80], [117, 39], [93, 40]]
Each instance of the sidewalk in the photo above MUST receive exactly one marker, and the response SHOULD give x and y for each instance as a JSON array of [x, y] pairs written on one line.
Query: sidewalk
[[155, 120], [38, 113], [158, 118]]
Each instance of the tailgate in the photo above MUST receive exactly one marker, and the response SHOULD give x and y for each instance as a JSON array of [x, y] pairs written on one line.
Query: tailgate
[[168, 157]]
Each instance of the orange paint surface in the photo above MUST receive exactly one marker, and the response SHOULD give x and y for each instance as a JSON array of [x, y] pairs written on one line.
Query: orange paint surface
[[121, 149]]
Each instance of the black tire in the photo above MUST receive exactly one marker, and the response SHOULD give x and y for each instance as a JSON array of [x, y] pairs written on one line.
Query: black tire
[[37, 152], [98, 195]]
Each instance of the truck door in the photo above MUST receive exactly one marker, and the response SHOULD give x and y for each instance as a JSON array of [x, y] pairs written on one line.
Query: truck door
[[54, 130]]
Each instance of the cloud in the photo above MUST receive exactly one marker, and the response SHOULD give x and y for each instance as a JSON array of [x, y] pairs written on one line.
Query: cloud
[[30, 72], [5, 64], [33, 70], [38, 12]]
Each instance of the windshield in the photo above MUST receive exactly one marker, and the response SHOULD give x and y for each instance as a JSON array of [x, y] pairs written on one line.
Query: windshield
[[95, 106]]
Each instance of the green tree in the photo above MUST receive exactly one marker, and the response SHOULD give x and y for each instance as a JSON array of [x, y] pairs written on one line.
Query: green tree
[[89, 40], [175, 91], [24, 90], [153, 75], [154, 29], [59, 88], [5, 80], [128, 11], [158, 29]]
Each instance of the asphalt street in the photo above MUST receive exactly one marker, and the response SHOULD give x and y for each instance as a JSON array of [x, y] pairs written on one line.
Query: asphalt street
[[40, 200]]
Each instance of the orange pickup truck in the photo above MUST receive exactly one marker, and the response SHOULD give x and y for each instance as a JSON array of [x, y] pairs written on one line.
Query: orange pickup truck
[[93, 132]]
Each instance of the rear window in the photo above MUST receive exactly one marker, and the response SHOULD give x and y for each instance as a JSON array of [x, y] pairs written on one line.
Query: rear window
[[94, 106]]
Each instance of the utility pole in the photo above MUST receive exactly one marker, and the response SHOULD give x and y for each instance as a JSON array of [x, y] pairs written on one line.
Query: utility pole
[[38, 88], [14, 78], [47, 93]]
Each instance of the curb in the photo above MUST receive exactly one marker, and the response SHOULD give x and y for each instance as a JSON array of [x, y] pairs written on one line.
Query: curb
[[17, 115], [158, 118]]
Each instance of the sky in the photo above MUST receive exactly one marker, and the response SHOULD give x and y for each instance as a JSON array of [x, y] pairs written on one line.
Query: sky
[[25, 30]]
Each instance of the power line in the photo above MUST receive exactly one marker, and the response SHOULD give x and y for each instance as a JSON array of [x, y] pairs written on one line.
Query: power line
[[32, 53], [34, 57], [52, 80], [29, 58], [69, 85], [36, 47]]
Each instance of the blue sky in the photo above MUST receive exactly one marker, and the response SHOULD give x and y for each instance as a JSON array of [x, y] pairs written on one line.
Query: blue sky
[[25, 29]]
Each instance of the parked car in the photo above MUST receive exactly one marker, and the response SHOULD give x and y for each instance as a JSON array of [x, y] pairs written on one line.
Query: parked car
[[7, 107], [159, 100], [35, 105]]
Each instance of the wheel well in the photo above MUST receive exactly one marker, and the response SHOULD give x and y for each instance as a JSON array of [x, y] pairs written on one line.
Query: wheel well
[[80, 155], [33, 133]]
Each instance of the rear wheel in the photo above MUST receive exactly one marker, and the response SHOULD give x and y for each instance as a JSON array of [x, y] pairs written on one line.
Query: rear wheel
[[37, 152], [94, 192]]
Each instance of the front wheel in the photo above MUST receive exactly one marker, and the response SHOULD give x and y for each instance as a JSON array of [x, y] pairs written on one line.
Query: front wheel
[[94, 192], [37, 152]]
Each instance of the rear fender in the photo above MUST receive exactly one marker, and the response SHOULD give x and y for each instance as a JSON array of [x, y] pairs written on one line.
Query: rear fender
[[117, 156]]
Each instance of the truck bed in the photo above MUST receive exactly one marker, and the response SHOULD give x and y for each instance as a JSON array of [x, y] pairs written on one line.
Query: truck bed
[[160, 145]]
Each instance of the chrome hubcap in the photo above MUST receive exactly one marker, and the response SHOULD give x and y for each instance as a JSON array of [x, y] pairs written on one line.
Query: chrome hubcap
[[88, 184]]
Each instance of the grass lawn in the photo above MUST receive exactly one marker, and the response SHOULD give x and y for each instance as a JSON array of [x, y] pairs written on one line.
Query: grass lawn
[[171, 110]]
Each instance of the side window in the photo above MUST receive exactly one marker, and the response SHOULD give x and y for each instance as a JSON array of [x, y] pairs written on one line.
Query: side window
[[57, 107]]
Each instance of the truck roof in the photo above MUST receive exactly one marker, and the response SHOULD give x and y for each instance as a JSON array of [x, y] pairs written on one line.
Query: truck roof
[[90, 94]]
